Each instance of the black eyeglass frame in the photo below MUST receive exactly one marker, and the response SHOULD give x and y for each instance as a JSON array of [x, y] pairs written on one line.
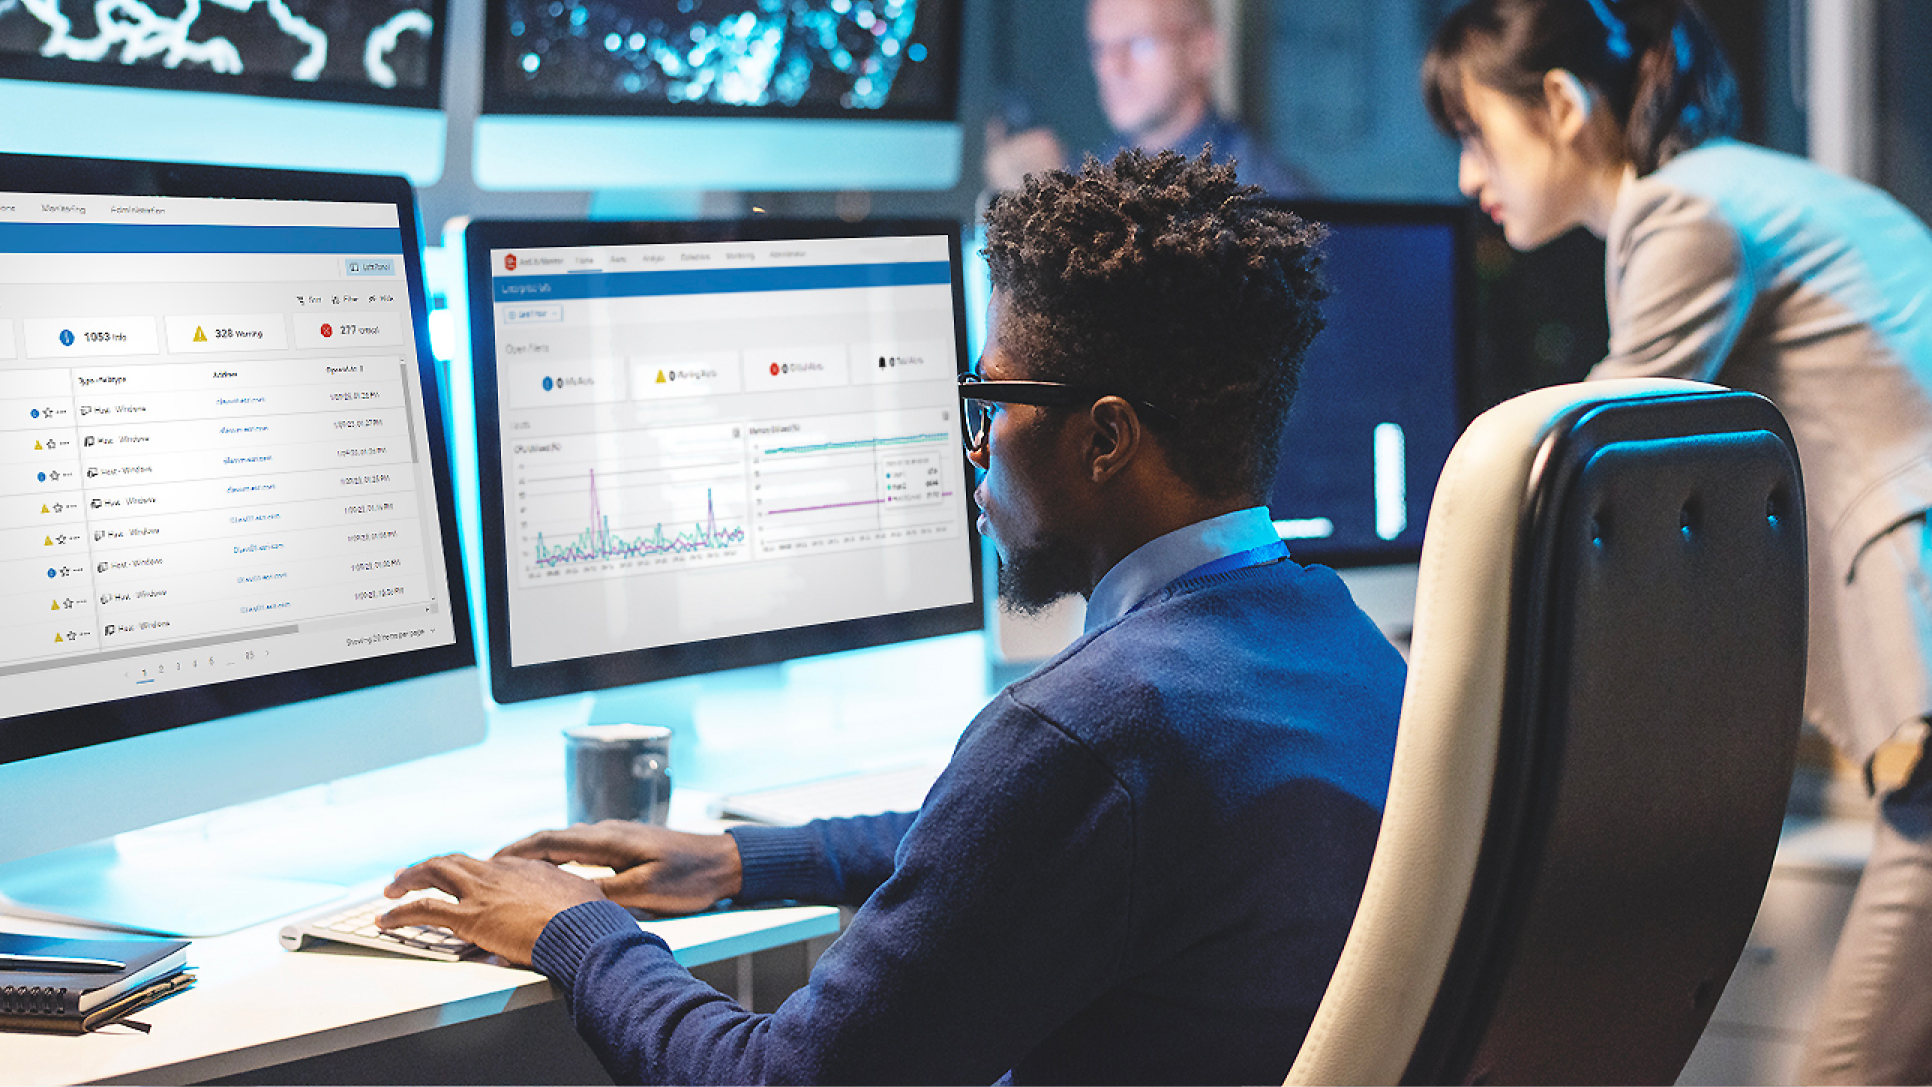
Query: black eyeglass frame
[[1045, 394]]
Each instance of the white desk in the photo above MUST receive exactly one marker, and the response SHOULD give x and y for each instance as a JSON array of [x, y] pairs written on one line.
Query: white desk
[[257, 1006]]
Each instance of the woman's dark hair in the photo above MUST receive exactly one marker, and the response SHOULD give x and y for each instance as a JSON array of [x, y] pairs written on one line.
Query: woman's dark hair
[[1164, 278], [1654, 61]]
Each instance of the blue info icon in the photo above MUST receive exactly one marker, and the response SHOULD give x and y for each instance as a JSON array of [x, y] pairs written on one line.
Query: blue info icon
[[548, 384], [67, 337]]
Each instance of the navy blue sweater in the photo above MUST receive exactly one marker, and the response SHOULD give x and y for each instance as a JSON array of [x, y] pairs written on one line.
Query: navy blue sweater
[[1139, 867]]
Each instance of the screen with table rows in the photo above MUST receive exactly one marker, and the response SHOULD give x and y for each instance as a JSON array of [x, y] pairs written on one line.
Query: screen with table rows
[[213, 460]]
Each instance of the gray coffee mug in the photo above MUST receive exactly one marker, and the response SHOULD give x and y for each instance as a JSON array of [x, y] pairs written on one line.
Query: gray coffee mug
[[617, 772]]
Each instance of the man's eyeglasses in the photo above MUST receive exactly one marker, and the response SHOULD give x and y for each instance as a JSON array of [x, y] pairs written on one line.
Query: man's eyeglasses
[[1139, 48], [979, 399]]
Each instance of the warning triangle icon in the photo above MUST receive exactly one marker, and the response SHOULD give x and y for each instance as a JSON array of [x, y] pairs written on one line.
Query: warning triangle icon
[[50, 542], [660, 377], [44, 509], [37, 445], [56, 606], [58, 639], [200, 336]]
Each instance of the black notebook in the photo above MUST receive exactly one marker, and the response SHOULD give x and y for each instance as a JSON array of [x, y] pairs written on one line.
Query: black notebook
[[64, 1002]]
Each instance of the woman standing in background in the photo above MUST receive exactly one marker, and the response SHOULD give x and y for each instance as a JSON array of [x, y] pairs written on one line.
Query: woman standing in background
[[1734, 264]]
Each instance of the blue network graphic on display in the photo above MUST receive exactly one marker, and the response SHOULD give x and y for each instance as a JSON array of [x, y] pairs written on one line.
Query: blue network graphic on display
[[374, 50], [669, 56]]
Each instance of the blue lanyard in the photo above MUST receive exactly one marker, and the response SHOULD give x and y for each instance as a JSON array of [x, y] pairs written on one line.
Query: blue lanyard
[[1253, 556]]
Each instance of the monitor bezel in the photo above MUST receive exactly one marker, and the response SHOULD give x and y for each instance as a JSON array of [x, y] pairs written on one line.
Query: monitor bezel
[[52, 731], [497, 99], [41, 69], [1457, 217], [518, 683]]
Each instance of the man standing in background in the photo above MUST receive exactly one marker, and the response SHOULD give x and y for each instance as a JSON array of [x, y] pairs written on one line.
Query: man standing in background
[[1154, 63]]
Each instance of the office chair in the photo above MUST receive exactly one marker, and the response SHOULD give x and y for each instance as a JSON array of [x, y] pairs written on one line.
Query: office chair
[[1605, 687]]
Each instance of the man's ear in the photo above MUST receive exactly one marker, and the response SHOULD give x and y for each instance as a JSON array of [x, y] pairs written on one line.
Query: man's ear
[[1117, 437], [1569, 102]]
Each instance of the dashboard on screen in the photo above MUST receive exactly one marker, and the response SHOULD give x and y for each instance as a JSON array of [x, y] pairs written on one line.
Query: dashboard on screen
[[700, 454], [218, 460]]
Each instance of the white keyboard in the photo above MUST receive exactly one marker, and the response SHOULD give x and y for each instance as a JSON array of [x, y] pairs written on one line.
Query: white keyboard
[[900, 789], [355, 924]]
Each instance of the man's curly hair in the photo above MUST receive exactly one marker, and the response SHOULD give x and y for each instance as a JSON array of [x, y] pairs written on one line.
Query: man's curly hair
[[1162, 278]]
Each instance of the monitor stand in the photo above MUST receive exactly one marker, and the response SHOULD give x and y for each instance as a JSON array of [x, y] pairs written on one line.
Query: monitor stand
[[237, 821], [779, 724]]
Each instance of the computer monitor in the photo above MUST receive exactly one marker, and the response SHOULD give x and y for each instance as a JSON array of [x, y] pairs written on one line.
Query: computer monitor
[[713, 445], [725, 94], [351, 85], [1382, 396], [228, 553]]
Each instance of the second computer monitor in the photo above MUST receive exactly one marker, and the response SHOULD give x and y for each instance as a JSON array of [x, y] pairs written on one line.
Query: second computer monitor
[[714, 445], [1381, 400]]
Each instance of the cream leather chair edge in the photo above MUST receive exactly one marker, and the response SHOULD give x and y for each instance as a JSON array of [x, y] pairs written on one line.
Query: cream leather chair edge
[[1385, 984]]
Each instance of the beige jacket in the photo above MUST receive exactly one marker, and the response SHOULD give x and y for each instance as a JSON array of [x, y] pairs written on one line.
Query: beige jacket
[[1760, 271]]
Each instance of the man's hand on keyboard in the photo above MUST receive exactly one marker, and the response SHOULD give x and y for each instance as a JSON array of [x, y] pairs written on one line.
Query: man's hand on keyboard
[[502, 905], [662, 871]]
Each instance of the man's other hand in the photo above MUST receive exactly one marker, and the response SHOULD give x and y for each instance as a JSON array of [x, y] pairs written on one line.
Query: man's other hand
[[501, 906], [1010, 157], [662, 871]]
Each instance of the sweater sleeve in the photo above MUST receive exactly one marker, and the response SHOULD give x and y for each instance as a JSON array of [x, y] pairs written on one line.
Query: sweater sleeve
[[838, 862], [1006, 914], [1680, 286]]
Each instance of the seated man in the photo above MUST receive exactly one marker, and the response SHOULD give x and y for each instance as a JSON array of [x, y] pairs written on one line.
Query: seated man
[[1143, 859]]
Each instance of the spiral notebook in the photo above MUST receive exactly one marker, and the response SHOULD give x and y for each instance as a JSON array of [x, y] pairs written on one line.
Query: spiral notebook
[[53, 1000]]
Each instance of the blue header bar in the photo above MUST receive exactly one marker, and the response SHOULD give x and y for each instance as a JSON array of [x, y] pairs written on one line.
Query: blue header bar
[[179, 238], [819, 277]]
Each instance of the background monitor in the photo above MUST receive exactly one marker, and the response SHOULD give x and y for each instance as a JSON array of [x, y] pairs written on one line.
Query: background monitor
[[714, 445], [352, 85], [228, 553], [1385, 389], [724, 94], [1382, 398]]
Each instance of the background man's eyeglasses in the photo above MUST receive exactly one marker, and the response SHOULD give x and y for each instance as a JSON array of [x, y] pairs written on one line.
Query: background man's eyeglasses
[[979, 398]]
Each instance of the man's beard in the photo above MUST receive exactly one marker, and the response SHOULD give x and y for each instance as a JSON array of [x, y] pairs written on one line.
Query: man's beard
[[1034, 579]]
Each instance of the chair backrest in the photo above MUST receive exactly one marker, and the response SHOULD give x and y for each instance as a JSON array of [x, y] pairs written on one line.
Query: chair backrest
[[1605, 688]]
